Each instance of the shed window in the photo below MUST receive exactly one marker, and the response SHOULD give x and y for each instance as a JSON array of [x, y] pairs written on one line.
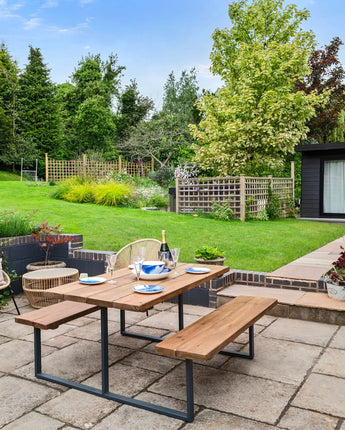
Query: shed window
[[334, 187]]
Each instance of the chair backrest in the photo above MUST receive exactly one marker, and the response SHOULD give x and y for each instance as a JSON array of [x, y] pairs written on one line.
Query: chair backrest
[[6, 279], [124, 256]]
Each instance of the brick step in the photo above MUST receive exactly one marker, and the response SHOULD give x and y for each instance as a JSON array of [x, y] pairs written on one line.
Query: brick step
[[291, 303]]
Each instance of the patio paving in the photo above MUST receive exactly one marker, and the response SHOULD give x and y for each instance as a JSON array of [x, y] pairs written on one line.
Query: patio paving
[[296, 380]]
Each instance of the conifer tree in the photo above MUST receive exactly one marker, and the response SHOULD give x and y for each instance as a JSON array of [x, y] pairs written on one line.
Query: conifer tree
[[39, 115]]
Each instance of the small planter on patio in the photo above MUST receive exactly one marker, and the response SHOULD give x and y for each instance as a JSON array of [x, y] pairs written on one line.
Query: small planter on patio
[[42, 265], [209, 255], [335, 278]]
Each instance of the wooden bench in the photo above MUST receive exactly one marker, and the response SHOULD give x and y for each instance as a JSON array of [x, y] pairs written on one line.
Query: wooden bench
[[208, 336], [50, 317]]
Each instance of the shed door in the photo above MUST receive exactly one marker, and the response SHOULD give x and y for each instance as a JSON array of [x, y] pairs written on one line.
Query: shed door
[[334, 187]]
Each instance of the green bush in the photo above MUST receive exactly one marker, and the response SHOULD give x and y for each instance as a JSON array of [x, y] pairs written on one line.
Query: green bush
[[112, 194], [80, 193], [153, 196], [262, 215], [208, 252], [163, 176], [222, 211], [15, 224], [273, 205]]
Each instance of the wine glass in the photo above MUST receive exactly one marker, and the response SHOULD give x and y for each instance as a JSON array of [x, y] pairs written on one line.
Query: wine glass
[[142, 252], [138, 261], [175, 252], [111, 261]]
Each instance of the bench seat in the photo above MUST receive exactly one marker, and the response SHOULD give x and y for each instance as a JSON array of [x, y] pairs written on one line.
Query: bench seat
[[50, 317], [210, 334]]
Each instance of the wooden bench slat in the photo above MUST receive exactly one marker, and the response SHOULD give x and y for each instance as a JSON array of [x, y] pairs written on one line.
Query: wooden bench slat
[[52, 316], [209, 335]]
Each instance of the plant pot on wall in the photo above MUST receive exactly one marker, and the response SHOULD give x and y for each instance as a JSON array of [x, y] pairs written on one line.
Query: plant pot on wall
[[336, 292], [41, 265]]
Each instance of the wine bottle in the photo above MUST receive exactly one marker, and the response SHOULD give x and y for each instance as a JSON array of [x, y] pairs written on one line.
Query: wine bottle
[[164, 252]]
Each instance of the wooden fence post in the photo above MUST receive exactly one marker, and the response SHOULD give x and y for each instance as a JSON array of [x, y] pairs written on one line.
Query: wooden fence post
[[120, 163], [242, 198], [47, 170], [293, 179], [152, 164], [84, 165], [177, 194]]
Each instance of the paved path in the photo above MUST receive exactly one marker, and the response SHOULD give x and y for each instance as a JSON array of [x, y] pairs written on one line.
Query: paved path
[[312, 266], [296, 380]]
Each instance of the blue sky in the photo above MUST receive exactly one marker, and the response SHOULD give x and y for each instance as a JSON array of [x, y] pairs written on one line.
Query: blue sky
[[150, 37]]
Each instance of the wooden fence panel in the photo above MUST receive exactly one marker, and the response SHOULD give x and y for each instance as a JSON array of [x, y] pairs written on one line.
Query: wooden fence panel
[[242, 194], [60, 170]]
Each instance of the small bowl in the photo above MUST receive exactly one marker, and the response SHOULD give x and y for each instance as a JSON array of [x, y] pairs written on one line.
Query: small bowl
[[153, 267]]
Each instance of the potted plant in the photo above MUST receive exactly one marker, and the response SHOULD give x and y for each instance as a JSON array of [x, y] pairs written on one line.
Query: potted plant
[[209, 255], [47, 237], [335, 278]]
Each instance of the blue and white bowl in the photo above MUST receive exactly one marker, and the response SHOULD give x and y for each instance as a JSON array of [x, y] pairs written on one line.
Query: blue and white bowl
[[153, 267]]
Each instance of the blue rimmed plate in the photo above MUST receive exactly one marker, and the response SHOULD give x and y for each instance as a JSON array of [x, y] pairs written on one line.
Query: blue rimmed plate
[[148, 289], [95, 280], [197, 270]]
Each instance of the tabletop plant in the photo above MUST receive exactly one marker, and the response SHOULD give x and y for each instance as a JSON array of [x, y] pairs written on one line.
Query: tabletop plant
[[48, 236]]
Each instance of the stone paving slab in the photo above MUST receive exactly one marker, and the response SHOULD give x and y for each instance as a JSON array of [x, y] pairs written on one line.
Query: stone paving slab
[[332, 362], [278, 360], [18, 397], [167, 320], [247, 396], [301, 331], [338, 340], [34, 420], [322, 393], [300, 419]]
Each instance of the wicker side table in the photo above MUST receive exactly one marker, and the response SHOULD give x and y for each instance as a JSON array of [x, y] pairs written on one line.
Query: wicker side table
[[39, 280]]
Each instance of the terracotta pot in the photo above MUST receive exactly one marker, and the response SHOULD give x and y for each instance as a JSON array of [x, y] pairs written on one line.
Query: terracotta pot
[[40, 265], [218, 261], [336, 292]]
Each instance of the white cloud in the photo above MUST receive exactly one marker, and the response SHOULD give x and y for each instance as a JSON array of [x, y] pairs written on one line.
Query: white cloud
[[32, 23], [8, 10], [50, 3], [77, 27]]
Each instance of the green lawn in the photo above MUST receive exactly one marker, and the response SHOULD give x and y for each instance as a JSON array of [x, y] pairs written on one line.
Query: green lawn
[[260, 246], [9, 176]]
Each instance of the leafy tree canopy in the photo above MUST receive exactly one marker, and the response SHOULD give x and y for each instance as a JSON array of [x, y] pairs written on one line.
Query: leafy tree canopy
[[256, 118], [327, 74]]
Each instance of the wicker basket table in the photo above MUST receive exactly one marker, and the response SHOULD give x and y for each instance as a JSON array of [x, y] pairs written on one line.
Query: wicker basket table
[[39, 280]]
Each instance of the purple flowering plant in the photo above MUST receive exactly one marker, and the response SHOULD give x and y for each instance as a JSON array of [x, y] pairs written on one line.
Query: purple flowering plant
[[337, 272]]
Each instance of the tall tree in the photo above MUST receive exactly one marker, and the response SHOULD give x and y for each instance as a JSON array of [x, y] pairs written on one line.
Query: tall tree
[[327, 74], [12, 145], [132, 108], [90, 103], [256, 118], [166, 136], [39, 116]]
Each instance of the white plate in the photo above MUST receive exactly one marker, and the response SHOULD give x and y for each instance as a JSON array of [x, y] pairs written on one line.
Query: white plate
[[197, 270], [148, 289], [152, 276], [95, 280], [131, 266]]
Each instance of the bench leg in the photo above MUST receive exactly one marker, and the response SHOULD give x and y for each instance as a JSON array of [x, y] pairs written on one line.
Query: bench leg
[[124, 332], [104, 392], [37, 351], [249, 355]]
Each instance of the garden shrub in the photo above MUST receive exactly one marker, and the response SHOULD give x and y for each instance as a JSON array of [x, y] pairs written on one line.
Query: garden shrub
[[153, 196], [112, 194], [163, 176], [15, 224], [262, 215], [273, 205], [221, 211], [80, 193]]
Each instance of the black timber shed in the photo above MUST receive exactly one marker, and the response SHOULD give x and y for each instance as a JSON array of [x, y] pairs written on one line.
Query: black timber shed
[[323, 180]]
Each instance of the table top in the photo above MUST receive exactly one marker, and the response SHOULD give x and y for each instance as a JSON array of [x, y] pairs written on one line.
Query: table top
[[50, 273], [121, 294]]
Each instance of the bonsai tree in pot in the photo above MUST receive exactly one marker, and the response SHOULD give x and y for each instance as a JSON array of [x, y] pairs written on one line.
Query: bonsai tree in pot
[[335, 278], [47, 237], [209, 255]]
